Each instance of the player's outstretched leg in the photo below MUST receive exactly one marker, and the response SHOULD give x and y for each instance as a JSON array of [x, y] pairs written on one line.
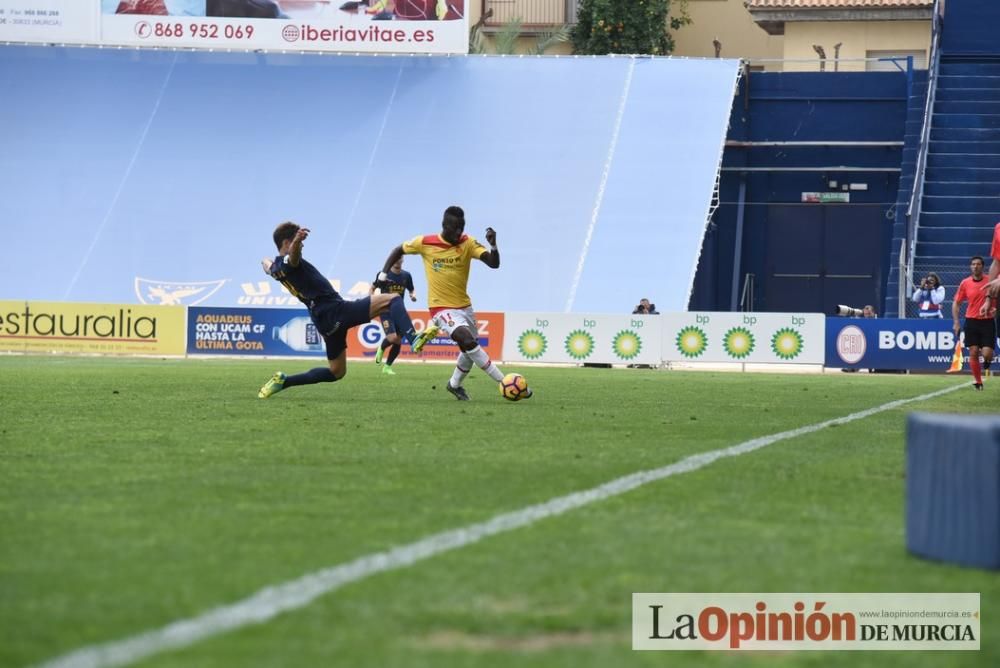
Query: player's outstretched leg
[[280, 381], [274, 385], [399, 315], [418, 343]]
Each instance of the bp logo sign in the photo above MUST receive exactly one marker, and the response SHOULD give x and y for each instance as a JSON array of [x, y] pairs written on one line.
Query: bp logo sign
[[532, 344], [738, 343], [579, 344], [627, 344], [786, 344], [691, 342]]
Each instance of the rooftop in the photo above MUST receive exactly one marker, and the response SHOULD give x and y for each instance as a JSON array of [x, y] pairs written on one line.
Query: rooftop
[[837, 4], [771, 15]]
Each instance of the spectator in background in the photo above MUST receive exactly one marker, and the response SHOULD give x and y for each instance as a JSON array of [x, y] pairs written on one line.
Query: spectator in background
[[930, 296], [645, 308]]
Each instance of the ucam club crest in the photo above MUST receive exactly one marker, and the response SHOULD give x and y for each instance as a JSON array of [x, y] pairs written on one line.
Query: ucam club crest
[[851, 344], [164, 293]]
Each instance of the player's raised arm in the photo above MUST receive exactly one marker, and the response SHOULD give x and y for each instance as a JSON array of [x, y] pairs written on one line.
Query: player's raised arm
[[295, 252], [491, 257], [393, 258], [992, 288], [409, 286], [993, 283]]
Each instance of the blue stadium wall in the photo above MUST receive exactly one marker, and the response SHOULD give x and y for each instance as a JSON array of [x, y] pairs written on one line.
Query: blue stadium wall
[[970, 28], [806, 257]]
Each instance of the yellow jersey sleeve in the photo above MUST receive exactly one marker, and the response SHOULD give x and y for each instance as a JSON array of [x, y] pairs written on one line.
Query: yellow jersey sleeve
[[475, 249], [413, 246]]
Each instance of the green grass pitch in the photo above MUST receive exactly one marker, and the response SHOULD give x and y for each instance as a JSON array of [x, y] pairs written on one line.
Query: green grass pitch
[[134, 493]]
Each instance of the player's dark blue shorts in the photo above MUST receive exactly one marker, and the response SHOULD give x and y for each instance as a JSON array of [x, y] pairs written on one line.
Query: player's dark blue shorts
[[333, 319]]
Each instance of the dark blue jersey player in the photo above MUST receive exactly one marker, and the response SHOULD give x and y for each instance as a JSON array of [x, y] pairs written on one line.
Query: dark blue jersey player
[[397, 281], [332, 315]]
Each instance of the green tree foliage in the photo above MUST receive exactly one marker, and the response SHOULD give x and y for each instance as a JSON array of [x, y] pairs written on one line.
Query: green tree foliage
[[627, 26], [505, 40]]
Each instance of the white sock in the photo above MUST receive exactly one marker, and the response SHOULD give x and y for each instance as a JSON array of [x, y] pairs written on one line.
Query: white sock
[[463, 365], [482, 360]]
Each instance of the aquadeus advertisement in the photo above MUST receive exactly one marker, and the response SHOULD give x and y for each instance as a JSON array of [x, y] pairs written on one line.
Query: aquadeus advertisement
[[289, 332], [369, 26], [108, 329]]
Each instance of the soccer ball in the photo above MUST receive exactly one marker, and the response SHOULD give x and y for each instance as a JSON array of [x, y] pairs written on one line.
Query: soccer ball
[[513, 387]]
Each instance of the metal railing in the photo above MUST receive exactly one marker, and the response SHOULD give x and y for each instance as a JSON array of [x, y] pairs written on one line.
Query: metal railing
[[904, 282], [541, 13], [820, 64], [749, 289], [914, 208]]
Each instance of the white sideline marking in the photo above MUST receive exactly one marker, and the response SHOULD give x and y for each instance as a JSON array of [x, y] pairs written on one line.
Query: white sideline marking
[[272, 601]]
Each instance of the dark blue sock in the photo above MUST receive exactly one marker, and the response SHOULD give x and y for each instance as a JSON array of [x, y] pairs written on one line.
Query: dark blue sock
[[393, 354], [402, 319], [320, 374]]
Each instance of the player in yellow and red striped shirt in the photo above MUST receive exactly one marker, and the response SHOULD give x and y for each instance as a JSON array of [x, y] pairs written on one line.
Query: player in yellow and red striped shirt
[[447, 258]]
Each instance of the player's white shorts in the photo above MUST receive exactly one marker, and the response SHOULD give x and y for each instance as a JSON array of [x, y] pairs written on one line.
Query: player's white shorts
[[451, 319]]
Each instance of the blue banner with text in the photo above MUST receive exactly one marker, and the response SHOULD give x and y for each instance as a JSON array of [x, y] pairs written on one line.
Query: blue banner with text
[[252, 331], [870, 343]]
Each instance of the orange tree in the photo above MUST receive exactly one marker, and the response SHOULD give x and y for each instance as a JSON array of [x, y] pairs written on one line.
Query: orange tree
[[627, 26]]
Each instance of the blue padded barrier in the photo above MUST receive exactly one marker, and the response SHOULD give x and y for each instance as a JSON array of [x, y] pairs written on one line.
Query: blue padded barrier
[[953, 488]]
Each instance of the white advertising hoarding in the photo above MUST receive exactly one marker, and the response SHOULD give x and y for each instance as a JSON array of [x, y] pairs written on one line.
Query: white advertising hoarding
[[581, 338], [769, 338], [379, 26], [49, 21]]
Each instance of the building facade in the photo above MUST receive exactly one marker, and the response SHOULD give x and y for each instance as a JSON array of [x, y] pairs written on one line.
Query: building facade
[[791, 35]]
